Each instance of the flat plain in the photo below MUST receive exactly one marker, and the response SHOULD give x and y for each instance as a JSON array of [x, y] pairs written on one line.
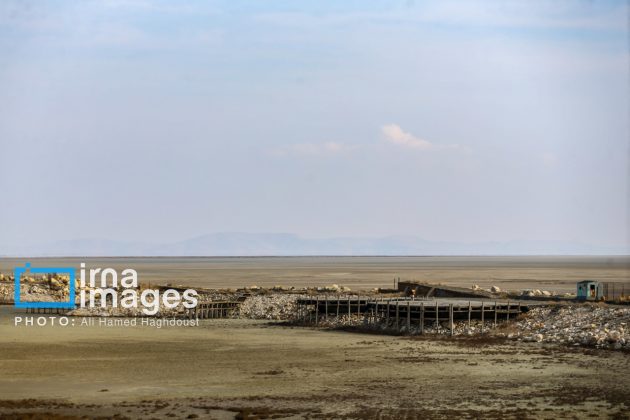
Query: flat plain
[[227, 368], [359, 273], [245, 368]]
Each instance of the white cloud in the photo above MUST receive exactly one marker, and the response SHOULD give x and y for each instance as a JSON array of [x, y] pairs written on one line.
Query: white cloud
[[313, 149], [395, 135]]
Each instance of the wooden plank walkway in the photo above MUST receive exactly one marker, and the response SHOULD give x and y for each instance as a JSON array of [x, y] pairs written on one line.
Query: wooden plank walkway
[[410, 311], [212, 310]]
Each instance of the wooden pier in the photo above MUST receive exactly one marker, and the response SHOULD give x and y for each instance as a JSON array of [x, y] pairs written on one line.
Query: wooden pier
[[405, 313], [212, 310]]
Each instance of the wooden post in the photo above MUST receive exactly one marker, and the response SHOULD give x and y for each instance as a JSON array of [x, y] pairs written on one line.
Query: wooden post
[[408, 317], [397, 317], [349, 312], [376, 316], [483, 313], [450, 317], [387, 315], [495, 314], [469, 311], [508, 310], [422, 318], [437, 314], [373, 312], [338, 302], [358, 305], [317, 310]]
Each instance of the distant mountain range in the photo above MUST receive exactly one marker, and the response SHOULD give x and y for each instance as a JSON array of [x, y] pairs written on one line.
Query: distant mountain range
[[276, 244]]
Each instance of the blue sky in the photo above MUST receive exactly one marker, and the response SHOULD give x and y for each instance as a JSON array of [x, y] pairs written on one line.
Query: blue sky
[[456, 121]]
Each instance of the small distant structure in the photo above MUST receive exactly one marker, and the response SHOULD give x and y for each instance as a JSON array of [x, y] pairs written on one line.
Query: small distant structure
[[418, 289], [608, 291], [589, 290]]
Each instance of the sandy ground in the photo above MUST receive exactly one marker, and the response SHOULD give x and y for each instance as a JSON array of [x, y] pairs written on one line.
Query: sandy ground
[[228, 368], [515, 273]]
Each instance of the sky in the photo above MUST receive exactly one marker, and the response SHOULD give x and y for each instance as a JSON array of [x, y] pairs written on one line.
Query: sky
[[451, 121]]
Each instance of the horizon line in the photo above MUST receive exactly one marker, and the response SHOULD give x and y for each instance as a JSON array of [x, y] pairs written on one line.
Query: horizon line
[[321, 256]]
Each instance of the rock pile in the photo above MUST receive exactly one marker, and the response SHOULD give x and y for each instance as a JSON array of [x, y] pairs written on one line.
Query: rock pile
[[279, 306], [275, 306], [6, 292], [538, 293], [34, 292], [493, 289], [578, 325], [460, 328], [334, 288]]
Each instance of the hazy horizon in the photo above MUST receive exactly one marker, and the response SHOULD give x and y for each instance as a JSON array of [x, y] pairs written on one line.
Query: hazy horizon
[[453, 122], [240, 244]]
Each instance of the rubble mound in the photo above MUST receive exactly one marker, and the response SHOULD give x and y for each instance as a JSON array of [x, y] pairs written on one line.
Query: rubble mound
[[577, 325], [273, 306], [31, 291]]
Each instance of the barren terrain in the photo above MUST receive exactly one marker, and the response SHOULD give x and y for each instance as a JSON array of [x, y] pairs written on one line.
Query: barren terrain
[[261, 369], [226, 367]]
